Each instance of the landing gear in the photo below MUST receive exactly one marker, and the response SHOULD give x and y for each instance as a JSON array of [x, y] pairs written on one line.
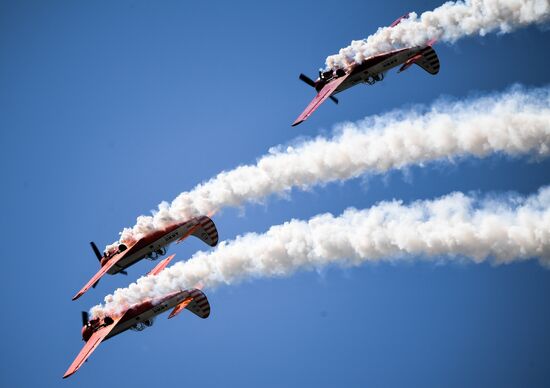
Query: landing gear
[[140, 326], [156, 254], [372, 79]]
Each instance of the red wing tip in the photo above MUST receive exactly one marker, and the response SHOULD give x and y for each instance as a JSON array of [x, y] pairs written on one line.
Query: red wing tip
[[77, 295], [67, 374], [297, 122]]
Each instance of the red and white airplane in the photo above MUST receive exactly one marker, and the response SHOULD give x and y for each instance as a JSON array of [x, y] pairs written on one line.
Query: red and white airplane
[[137, 317], [151, 247], [370, 71]]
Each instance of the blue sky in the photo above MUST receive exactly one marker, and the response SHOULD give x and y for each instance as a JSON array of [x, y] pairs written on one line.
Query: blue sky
[[109, 108]]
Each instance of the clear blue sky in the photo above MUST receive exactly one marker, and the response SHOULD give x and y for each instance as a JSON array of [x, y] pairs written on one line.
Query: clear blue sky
[[107, 108]]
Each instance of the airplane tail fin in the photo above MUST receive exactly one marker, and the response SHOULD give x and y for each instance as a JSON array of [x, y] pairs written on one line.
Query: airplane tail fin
[[206, 231], [429, 60]]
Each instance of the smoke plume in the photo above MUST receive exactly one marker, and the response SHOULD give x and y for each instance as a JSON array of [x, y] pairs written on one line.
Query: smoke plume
[[516, 122], [501, 229], [447, 23]]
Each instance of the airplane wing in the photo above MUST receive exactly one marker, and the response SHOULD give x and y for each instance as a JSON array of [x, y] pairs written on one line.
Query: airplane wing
[[96, 277], [160, 266], [323, 94], [90, 346]]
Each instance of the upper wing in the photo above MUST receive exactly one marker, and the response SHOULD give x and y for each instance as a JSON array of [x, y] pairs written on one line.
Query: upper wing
[[325, 93], [160, 266], [97, 276], [90, 346]]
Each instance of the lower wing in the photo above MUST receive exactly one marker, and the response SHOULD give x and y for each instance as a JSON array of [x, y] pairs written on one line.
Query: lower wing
[[90, 346], [323, 94], [96, 277]]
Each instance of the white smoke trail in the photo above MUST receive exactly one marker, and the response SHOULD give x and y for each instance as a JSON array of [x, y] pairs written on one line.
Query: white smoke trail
[[516, 122], [500, 229], [447, 23]]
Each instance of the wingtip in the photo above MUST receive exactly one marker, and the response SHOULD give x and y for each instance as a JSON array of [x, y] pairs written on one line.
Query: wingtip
[[78, 295], [297, 122]]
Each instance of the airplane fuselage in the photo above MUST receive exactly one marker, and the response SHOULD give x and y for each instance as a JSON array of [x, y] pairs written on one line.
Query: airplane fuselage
[[370, 69], [145, 312], [138, 316], [365, 73], [152, 244]]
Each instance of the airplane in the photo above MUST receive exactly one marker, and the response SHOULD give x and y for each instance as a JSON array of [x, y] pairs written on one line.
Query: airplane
[[137, 317], [369, 71], [150, 247]]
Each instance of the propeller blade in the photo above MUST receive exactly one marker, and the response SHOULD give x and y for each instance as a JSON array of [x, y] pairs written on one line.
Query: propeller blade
[[85, 318], [307, 80], [96, 251], [334, 99]]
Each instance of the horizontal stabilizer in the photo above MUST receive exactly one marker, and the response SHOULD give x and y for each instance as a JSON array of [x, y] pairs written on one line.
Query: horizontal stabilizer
[[197, 303], [180, 307]]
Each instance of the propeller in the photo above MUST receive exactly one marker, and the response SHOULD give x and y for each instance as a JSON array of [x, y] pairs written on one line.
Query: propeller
[[307, 80], [96, 251], [85, 318]]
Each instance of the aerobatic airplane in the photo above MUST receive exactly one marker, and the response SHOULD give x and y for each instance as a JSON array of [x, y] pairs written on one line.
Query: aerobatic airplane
[[151, 247], [137, 317], [369, 71]]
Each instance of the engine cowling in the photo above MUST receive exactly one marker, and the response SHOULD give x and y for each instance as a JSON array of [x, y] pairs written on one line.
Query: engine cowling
[[108, 321]]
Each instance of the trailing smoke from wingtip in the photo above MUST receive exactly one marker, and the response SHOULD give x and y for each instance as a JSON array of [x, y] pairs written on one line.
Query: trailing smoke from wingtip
[[447, 23], [500, 229], [516, 122]]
